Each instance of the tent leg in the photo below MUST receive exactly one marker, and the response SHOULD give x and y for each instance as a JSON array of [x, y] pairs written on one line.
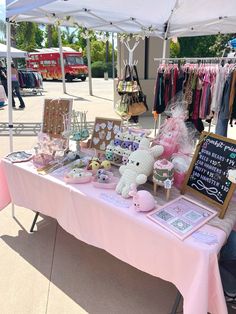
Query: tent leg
[[62, 61], [163, 56], [9, 86], [113, 56], [89, 67], [34, 222], [164, 48], [176, 304]]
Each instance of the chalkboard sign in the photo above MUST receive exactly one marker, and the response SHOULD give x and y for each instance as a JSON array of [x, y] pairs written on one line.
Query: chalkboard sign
[[207, 175]]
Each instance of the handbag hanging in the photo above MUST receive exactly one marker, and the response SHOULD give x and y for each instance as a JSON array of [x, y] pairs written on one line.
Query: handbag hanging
[[137, 104], [122, 108], [127, 84]]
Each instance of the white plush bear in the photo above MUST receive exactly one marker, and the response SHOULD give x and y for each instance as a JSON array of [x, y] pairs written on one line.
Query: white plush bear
[[139, 167]]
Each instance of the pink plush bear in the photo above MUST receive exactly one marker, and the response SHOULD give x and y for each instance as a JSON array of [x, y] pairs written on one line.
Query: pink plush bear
[[143, 201]]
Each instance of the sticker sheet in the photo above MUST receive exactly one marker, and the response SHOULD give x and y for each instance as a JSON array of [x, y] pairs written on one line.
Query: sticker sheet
[[104, 132], [182, 216]]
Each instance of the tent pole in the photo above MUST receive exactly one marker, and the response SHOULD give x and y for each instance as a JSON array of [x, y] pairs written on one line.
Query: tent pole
[[89, 67], [9, 85], [62, 61], [164, 48], [113, 56], [163, 56], [9, 92]]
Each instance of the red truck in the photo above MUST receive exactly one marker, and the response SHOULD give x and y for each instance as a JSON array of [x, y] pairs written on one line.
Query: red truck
[[47, 62]]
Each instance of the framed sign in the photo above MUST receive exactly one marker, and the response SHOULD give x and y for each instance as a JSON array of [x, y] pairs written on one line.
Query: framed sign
[[207, 175], [182, 216], [104, 132], [56, 112]]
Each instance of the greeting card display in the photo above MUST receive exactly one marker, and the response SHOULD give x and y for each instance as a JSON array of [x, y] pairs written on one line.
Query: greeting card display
[[104, 132], [208, 172], [182, 216]]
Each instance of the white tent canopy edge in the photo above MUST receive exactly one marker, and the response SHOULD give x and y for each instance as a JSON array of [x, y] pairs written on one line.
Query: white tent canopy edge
[[183, 17], [15, 53]]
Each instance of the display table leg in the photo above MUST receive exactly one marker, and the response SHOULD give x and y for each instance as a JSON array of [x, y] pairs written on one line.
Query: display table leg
[[176, 304], [34, 222]]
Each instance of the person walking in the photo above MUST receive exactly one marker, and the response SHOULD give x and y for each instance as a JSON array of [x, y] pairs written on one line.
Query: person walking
[[16, 87]]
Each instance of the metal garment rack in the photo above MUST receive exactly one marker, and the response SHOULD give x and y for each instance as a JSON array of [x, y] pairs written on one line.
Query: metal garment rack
[[219, 59], [30, 91], [216, 60]]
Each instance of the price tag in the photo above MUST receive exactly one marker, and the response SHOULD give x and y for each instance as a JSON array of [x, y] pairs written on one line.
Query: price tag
[[167, 184]]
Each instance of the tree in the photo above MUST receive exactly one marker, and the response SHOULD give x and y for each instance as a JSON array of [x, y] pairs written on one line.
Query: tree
[[69, 36], [51, 35], [196, 46], [220, 44], [2, 31], [200, 46], [27, 36], [174, 49]]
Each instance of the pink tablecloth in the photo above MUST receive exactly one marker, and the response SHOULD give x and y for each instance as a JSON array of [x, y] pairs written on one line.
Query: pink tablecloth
[[94, 216], [5, 198]]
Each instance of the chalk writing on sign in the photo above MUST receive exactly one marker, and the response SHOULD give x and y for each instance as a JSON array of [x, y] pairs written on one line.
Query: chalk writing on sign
[[209, 174]]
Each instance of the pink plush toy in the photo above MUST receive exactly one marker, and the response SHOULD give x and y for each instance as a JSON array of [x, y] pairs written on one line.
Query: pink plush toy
[[143, 201]]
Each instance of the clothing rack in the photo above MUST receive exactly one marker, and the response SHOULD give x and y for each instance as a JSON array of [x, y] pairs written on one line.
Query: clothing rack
[[31, 91], [219, 59]]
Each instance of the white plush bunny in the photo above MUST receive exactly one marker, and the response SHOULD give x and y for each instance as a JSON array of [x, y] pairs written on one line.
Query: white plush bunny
[[138, 168]]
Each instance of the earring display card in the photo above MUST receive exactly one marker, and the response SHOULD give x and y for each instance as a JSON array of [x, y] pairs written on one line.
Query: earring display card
[[54, 110], [104, 132], [182, 216]]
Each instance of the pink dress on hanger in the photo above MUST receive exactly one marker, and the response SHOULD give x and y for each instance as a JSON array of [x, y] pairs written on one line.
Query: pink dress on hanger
[[206, 96]]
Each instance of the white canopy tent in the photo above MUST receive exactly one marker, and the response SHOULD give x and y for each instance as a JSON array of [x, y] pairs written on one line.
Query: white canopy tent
[[15, 53], [164, 19]]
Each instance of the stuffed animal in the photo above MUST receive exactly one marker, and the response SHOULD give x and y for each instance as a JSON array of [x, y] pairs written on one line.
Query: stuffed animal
[[127, 140], [143, 201], [137, 140], [109, 151], [139, 167], [94, 164], [125, 157], [72, 155], [77, 173], [117, 155], [103, 176], [105, 164], [118, 139]]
